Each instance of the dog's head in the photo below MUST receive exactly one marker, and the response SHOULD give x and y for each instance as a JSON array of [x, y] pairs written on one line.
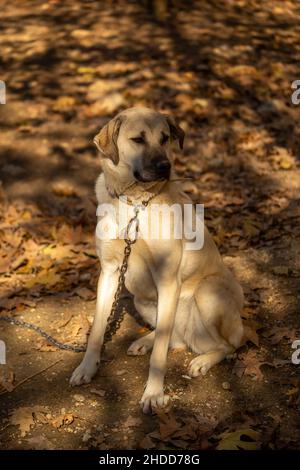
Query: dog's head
[[136, 144]]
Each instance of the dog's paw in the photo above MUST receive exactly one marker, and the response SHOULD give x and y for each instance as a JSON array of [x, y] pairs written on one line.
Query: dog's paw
[[139, 347], [200, 365], [84, 373], [152, 401]]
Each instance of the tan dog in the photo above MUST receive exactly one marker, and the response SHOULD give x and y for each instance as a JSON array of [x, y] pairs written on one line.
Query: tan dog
[[189, 296]]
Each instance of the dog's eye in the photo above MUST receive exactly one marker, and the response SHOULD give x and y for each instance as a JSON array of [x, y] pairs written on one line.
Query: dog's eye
[[164, 139], [138, 140]]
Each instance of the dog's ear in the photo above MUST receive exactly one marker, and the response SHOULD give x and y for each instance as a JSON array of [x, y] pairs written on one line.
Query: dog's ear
[[106, 140], [176, 131]]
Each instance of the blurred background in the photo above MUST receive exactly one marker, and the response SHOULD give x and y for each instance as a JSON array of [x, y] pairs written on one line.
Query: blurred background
[[224, 69]]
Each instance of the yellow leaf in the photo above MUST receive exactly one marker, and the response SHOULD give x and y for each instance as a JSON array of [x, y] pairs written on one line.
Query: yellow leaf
[[26, 268], [86, 70], [6, 378], [64, 103], [58, 252], [285, 164], [48, 278]]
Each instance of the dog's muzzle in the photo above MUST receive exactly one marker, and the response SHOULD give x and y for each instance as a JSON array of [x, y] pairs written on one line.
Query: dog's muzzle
[[162, 168], [159, 169]]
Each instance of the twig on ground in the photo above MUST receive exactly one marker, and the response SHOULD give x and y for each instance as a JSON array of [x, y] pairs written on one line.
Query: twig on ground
[[31, 377]]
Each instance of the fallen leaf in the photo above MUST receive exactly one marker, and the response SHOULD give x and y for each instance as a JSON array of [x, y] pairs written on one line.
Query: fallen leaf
[[131, 422], [87, 435], [294, 393], [168, 424], [85, 293], [251, 227], [276, 334], [67, 318], [45, 277], [26, 417], [7, 377], [64, 419], [23, 417], [250, 331], [40, 442], [281, 270], [59, 251], [64, 188], [147, 443], [241, 439], [249, 363], [42, 345], [64, 103]]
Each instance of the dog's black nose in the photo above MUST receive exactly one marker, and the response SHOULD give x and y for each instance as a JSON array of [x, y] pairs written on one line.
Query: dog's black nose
[[163, 166]]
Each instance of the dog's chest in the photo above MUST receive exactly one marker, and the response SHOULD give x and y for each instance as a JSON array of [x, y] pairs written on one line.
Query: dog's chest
[[110, 242]]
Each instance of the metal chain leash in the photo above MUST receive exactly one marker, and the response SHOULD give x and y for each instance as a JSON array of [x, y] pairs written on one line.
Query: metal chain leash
[[115, 319], [41, 332]]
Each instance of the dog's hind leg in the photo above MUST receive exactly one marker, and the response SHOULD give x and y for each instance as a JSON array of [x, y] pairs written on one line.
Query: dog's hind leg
[[148, 311], [142, 345], [217, 309], [204, 362]]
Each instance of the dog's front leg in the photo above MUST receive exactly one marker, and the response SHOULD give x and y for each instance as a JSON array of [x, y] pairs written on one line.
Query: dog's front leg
[[168, 294], [107, 285]]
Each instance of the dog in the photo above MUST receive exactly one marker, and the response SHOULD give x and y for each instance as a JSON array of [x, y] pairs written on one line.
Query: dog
[[189, 296]]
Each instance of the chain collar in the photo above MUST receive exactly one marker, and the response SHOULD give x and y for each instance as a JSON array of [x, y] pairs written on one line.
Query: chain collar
[[144, 203]]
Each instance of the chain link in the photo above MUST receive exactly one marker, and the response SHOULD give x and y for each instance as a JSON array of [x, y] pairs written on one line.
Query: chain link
[[41, 332]]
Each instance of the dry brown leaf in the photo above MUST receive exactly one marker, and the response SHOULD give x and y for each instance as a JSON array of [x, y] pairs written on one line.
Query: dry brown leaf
[[5, 264], [26, 417], [251, 227], [68, 235], [294, 393], [64, 188], [85, 293], [249, 364], [276, 334], [67, 317], [168, 424], [80, 328], [7, 377], [147, 442], [65, 419], [42, 345], [40, 442], [23, 417], [250, 331], [131, 422]]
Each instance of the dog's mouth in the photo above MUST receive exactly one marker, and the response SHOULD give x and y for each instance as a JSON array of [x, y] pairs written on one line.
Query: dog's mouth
[[146, 176]]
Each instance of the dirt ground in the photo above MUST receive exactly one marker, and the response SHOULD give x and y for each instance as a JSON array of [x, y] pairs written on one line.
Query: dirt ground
[[224, 69]]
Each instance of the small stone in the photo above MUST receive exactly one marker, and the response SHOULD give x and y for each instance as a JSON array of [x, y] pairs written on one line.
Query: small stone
[[87, 436], [78, 397], [226, 385], [121, 372], [99, 392]]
